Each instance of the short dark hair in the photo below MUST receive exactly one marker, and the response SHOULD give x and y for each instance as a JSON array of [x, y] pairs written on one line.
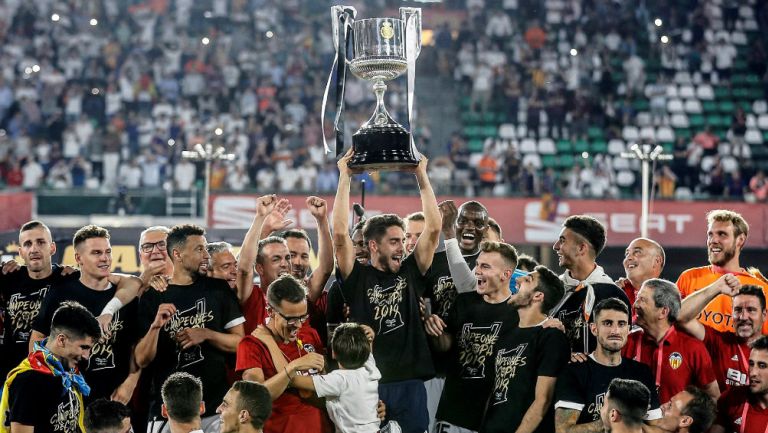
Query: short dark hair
[[182, 394], [701, 409], [263, 244], [753, 290], [105, 416], [296, 234], [177, 236], [89, 232], [286, 288], [350, 345], [359, 226], [613, 304], [34, 224], [507, 251], [474, 204], [415, 216], [493, 225], [551, 286], [526, 262], [589, 228], [631, 399], [74, 320], [255, 398], [761, 343], [376, 226]]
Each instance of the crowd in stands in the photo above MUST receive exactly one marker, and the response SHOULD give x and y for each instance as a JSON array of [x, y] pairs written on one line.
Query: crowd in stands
[[107, 94]]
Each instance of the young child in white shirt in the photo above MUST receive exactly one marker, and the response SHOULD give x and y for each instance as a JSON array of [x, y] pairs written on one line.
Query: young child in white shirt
[[352, 391]]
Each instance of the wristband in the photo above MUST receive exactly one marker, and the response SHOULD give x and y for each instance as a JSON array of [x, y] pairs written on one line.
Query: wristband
[[112, 307]]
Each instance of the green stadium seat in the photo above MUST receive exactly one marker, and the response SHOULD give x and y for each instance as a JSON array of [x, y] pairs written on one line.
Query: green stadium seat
[[549, 161], [594, 132], [580, 146], [722, 92], [475, 146], [564, 146], [566, 161], [696, 120], [709, 106], [599, 146], [726, 107]]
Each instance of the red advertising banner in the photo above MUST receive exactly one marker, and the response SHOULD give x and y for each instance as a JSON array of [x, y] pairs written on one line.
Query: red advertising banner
[[17, 209], [533, 221]]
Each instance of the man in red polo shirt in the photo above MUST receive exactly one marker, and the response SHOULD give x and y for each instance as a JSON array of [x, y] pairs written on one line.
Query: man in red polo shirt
[[676, 359], [644, 259], [729, 350], [285, 347], [744, 409]]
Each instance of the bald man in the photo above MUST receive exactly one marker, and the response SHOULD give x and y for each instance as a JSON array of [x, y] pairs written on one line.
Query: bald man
[[643, 259]]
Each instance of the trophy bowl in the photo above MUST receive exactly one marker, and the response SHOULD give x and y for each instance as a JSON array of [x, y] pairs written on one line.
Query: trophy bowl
[[380, 52]]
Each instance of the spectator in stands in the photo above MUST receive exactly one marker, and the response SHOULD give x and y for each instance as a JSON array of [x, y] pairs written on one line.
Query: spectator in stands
[[724, 53], [758, 186], [486, 172], [707, 141]]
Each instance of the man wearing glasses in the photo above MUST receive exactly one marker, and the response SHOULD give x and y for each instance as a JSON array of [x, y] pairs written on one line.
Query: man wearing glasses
[[278, 351], [192, 326]]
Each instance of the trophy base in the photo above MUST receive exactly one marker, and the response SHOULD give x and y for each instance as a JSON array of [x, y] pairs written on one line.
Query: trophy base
[[384, 148]]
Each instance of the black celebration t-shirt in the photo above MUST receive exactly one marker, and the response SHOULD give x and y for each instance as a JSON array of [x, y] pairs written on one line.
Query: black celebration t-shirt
[[582, 386], [576, 323], [110, 360], [389, 303], [476, 326], [442, 294], [207, 303], [523, 355], [21, 297], [40, 400]]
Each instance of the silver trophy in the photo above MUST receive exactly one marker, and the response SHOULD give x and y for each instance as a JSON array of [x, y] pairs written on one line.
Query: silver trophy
[[382, 49]]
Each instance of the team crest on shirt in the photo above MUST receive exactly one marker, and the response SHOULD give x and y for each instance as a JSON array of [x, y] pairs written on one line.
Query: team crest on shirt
[[675, 360]]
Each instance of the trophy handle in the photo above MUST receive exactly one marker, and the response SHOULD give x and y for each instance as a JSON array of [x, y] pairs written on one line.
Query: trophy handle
[[342, 18], [412, 29]]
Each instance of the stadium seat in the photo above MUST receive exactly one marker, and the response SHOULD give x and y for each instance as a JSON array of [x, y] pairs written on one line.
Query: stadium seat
[[705, 92], [679, 120], [687, 92], [753, 137], [760, 107], [683, 77], [643, 118], [762, 122], [625, 178], [724, 149], [616, 146], [675, 106], [665, 134], [547, 146], [507, 131], [707, 163], [672, 91], [522, 131], [648, 133], [729, 164], [693, 106], [564, 146], [739, 38], [683, 193], [630, 133], [751, 121], [528, 145], [532, 158]]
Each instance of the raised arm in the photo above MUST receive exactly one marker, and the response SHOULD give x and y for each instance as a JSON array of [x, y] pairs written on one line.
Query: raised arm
[[463, 278], [425, 247], [319, 210], [694, 303], [247, 258], [342, 243], [146, 348]]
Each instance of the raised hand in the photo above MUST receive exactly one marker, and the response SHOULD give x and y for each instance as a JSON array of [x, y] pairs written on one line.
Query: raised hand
[[450, 214], [434, 325], [276, 219], [343, 163], [265, 204], [317, 207], [164, 314]]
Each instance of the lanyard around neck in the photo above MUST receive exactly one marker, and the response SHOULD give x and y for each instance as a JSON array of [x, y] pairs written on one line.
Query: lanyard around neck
[[659, 354]]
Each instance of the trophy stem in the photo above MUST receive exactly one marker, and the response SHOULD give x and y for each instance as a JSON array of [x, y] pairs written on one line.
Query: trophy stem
[[380, 114]]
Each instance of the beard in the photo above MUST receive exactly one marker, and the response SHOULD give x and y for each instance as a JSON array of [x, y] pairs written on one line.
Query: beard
[[726, 254]]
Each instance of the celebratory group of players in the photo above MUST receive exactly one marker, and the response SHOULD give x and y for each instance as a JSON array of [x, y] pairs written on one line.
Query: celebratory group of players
[[410, 336]]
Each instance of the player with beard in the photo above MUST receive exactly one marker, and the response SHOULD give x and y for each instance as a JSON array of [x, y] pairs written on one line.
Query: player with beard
[[474, 323], [643, 259], [676, 358], [111, 371], [744, 409], [729, 350], [191, 326], [385, 296], [582, 386], [689, 411], [727, 233], [23, 289], [528, 360], [580, 242], [624, 407], [276, 352]]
